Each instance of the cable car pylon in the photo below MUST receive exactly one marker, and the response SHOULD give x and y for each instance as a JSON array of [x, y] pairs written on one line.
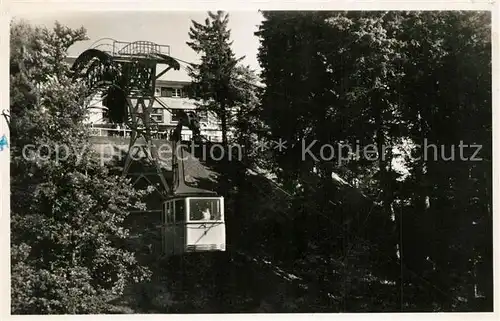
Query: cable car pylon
[[125, 74]]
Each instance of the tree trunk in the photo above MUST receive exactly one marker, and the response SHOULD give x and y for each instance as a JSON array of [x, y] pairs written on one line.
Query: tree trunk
[[385, 184]]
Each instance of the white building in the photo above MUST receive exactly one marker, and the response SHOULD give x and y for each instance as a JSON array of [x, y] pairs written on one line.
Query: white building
[[170, 98]]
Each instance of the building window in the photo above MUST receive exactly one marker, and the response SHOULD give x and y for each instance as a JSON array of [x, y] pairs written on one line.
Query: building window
[[177, 92], [171, 92], [165, 92], [157, 118]]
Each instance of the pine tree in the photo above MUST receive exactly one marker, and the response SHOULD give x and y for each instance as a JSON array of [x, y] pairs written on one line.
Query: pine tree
[[212, 77], [384, 78]]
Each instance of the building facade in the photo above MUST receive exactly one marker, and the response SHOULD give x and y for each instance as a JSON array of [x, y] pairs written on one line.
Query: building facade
[[170, 99]]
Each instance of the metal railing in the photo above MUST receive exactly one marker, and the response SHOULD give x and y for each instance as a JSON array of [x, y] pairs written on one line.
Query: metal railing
[[117, 48], [125, 133]]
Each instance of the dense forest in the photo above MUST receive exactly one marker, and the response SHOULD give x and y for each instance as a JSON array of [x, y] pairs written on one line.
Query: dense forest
[[405, 80], [405, 227]]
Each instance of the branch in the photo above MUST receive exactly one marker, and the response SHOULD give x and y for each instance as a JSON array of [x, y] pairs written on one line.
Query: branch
[[6, 115]]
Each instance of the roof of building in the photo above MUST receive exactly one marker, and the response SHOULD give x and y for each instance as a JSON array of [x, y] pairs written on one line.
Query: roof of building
[[170, 82]]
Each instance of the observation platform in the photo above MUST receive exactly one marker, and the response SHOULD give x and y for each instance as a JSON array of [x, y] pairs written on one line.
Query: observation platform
[[125, 49]]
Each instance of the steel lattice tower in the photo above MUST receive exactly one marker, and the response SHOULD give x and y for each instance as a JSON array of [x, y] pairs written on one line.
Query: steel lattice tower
[[126, 73]]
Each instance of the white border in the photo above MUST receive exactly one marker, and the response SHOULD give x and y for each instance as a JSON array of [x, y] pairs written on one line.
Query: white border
[[4, 166], [17, 7], [41, 7]]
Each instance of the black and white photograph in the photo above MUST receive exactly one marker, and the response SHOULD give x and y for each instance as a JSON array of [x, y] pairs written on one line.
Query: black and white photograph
[[250, 161]]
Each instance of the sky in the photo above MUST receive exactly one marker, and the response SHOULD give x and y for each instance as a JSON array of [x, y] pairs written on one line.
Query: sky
[[164, 28]]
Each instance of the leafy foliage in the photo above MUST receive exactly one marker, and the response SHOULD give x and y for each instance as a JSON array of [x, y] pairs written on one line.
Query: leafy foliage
[[400, 233], [67, 209]]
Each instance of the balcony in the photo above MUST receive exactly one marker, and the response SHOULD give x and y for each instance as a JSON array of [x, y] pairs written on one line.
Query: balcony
[[123, 48], [211, 135]]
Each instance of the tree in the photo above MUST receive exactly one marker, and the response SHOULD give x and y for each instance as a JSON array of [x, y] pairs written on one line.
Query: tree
[[447, 100], [246, 125], [384, 79], [212, 77], [67, 209]]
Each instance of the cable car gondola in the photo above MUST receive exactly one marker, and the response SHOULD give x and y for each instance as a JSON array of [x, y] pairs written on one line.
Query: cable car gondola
[[192, 218]]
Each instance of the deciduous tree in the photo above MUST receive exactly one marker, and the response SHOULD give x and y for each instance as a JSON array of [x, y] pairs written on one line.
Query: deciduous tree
[[67, 209]]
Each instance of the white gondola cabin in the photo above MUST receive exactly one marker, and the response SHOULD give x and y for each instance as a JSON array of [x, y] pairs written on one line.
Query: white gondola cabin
[[193, 224]]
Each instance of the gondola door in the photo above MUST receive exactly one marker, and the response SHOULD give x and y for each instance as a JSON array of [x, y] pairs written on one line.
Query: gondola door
[[180, 225], [167, 237]]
